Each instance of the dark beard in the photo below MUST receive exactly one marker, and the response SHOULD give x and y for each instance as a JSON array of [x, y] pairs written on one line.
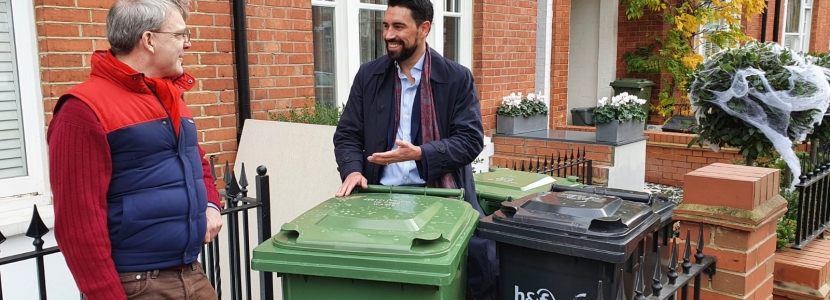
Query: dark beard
[[404, 54]]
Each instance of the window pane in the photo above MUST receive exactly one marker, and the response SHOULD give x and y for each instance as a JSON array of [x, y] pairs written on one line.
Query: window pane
[[372, 44], [793, 13], [324, 59], [384, 2], [451, 38], [452, 6], [808, 16], [12, 146], [792, 42]]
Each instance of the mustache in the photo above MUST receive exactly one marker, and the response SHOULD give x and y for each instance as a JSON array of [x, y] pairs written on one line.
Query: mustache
[[394, 41]]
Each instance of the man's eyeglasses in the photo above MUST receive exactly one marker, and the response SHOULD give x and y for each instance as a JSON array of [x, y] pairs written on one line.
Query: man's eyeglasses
[[185, 34]]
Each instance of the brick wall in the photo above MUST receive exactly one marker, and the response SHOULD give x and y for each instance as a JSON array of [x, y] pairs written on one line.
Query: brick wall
[[559, 62], [280, 59], [634, 33], [820, 31], [754, 23], [504, 52], [668, 158]]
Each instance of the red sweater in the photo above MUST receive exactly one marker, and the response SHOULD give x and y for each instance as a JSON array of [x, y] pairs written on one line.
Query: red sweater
[[80, 171]]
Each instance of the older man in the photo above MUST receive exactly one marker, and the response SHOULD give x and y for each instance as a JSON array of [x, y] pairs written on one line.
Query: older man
[[134, 198]]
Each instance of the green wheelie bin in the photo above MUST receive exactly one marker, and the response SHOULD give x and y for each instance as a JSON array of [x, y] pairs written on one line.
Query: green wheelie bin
[[379, 243], [500, 184]]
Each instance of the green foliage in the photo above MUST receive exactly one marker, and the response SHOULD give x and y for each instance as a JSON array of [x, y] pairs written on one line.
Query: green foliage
[[787, 222], [642, 60], [719, 127], [786, 233], [320, 114], [821, 132], [674, 53]]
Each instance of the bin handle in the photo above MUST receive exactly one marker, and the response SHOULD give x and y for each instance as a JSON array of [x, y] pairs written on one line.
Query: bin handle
[[413, 190], [427, 239], [492, 196]]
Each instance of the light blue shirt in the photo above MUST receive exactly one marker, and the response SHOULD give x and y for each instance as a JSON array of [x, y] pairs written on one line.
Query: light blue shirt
[[405, 173]]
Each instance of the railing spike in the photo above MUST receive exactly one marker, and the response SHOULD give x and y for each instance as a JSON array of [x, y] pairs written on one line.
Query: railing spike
[[37, 229], [545, 163], [233, 190], [620, 286], [213, 168], [672, 275], [639, 281], [243, 181], [2, 237], [687, 265], [699, 254], [227, 175], [657, 286], [538, 165], [514, 166]]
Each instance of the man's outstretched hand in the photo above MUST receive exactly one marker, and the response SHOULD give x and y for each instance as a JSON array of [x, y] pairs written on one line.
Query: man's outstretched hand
[[406, 151]]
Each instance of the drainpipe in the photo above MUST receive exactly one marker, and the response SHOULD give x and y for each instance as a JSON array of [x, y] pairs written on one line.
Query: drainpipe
[[240, 53], [764, 24], [776, 22]]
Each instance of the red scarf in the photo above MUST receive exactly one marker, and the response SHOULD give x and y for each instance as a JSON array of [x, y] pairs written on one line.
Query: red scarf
[[429, 123]]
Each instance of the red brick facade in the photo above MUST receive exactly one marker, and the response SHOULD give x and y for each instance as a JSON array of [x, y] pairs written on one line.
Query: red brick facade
[[560, 46], [634, 33], [281, 58], [279, 46], [504, 52]]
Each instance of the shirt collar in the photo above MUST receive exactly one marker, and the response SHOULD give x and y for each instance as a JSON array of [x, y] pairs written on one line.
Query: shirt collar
[[418, 65]]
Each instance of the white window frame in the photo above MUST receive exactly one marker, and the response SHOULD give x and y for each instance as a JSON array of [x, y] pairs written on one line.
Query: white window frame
[[803, 29], [347, 20], [19, 194]]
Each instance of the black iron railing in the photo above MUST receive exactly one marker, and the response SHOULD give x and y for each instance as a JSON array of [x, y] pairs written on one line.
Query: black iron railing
[[37, 229], [813, 189], [563, 164], [238, 207], [667, 281]]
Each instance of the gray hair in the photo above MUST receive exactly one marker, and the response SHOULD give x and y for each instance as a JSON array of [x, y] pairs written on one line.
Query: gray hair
[[128, 19]]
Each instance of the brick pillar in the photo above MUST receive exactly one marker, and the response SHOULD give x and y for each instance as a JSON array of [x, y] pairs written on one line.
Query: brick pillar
[[739, 207]]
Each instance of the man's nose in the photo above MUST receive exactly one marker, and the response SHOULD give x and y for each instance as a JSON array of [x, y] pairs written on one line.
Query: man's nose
[[187, 45], [388, 35]]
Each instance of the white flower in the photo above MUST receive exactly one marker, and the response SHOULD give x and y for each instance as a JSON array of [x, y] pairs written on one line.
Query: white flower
[[602, 102], [531, 97]]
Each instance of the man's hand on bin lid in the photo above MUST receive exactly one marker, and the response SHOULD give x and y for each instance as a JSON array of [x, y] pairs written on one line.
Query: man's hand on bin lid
[[354, 179]]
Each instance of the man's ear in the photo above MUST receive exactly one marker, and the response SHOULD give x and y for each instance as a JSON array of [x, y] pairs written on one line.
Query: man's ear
[[147, 41], [424, 29]]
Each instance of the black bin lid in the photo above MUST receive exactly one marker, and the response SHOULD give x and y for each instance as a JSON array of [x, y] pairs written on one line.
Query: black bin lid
[[578, 224]]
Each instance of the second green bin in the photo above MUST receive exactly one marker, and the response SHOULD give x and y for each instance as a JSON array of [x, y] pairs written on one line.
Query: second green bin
[[496, 186]]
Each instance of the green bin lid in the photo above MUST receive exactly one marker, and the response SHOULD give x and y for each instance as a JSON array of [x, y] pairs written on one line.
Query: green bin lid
[[503, 183], [632, 83], [374, 236]]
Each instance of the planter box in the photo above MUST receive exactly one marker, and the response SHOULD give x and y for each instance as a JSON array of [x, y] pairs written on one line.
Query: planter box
[[517, 125], [616, 131]]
